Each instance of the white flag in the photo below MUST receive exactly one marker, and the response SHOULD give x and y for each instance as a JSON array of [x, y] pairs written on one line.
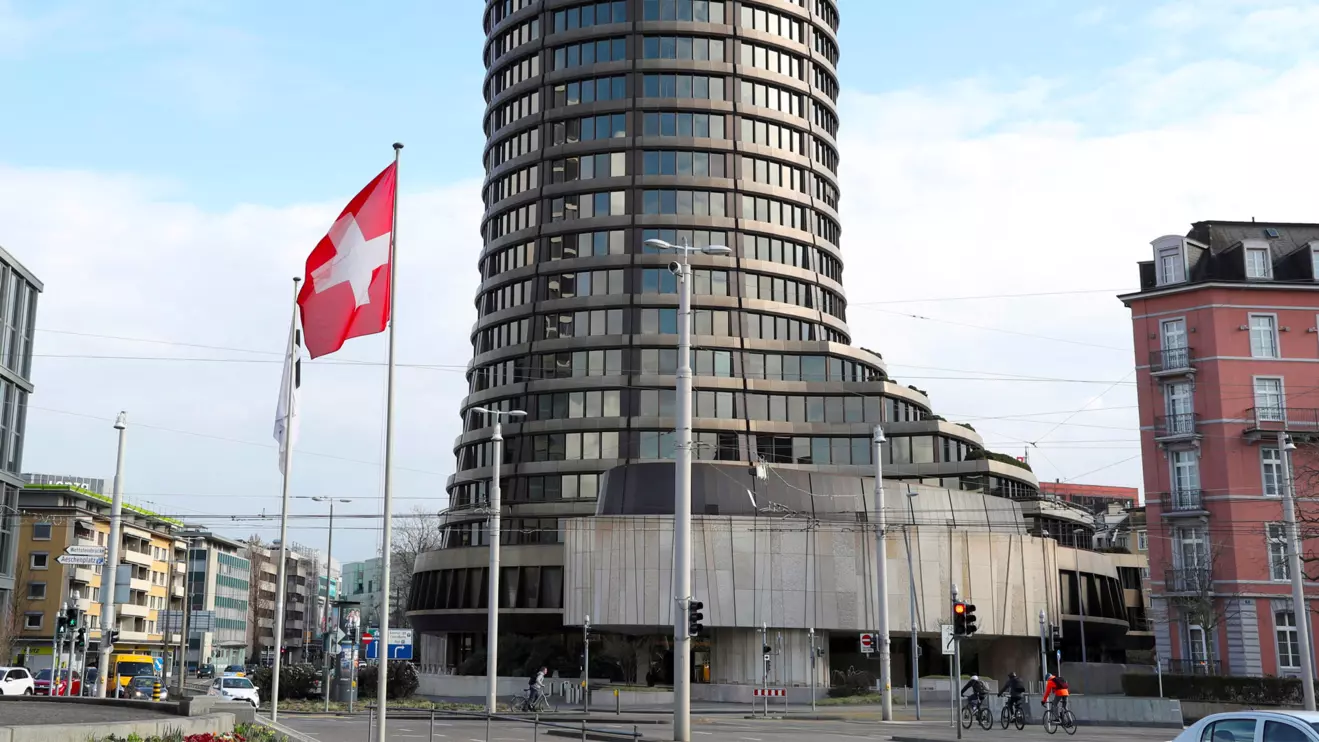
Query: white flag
[[287, 410]]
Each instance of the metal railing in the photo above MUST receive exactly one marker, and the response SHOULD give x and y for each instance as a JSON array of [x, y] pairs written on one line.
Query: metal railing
[[1173, 426], [562, 728], [1183, 500], [1171, 359], [1194, 667], [1188, 580], [1285, 419]]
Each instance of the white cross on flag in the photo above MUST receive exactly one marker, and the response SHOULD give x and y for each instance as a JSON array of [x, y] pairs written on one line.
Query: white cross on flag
[[346, 293]]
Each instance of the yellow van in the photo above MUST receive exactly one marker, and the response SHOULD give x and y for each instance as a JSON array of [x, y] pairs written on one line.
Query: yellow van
[[124, 667]]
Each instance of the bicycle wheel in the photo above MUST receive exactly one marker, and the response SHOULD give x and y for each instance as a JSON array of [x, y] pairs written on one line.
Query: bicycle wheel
[[1050, 722], [1020, 719], [1069, 721], [1005, 716], [986, 718], [966, 717]]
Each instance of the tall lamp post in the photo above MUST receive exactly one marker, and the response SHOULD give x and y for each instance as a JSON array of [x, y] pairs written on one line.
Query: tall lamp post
[[682, 485], [1300, 610], [325, 617], [492, 603], [109, 619]]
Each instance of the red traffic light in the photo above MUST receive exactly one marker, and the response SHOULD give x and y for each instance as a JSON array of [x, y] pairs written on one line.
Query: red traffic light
[[959, 608]]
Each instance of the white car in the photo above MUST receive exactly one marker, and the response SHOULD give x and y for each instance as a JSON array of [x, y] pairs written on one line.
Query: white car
[[1254, 726], [235, 689], [15, 681]]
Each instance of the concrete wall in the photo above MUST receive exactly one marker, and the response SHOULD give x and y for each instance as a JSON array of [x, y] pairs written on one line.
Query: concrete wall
[[1099, 678], [214, 723]]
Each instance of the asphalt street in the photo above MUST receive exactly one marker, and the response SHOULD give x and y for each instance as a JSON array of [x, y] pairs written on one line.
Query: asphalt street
[[715, 729], [22, 712]]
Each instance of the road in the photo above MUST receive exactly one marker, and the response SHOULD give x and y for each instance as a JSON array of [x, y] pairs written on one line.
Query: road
[[714, 729]]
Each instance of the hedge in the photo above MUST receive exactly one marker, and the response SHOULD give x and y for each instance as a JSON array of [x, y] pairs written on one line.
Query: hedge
[[1216, 688]]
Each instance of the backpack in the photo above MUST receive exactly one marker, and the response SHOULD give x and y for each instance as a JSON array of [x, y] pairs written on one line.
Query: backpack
[[532, 681], [1059, 683]]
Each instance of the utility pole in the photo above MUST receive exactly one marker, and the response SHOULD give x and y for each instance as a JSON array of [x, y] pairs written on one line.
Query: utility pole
[[109, 621], [881, 583], [1300, 609], [764, 673], [1044, 650], [586, 665], [955, 682], [811, 633]]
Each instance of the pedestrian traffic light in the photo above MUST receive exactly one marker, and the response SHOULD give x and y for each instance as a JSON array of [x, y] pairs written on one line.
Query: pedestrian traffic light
[[694, 618], [959, 618], [71, 617], [61, 623], [82, 638], [969, 619]]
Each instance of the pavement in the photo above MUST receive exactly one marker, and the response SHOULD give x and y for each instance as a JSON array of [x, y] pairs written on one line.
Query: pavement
[[18, 712], [712, 727]]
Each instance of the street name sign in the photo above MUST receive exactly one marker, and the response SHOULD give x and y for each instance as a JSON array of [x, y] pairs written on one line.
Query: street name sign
[[79, 560], [85, 550]]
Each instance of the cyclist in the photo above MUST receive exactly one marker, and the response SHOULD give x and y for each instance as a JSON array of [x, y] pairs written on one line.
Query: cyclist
[[536, 687], [1056, 686], [978, 691], [1016, 692]]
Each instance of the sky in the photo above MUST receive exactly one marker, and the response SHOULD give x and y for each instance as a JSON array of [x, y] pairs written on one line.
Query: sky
[[166, 167]]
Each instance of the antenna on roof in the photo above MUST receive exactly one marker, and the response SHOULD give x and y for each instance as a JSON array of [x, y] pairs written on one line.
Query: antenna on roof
[[1252, 220]]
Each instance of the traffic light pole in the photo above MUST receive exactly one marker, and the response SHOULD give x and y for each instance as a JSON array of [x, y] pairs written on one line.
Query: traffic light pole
[[881, 584]]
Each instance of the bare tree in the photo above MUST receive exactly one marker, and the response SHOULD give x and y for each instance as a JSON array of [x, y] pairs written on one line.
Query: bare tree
[[1191, 599], [415, 533], [259, 605], [11, 615], [1305, 488]]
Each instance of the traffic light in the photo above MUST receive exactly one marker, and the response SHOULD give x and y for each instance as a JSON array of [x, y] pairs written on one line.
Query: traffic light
[[694, 617], [959, 618], [61, 623], [82, 638], [969, 619], [114, 637], [1056, 635], [71, 617]]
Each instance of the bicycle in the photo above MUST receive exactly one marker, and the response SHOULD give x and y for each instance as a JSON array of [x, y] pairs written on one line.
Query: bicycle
[[1013, 713], [523, 703], [1054, 719], [975, 711]]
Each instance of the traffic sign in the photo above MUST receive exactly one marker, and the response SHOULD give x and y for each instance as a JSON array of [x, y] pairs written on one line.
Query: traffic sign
[[946, 635], [368, 637], [85, 550], [79, 560], [395, 651], [400, 636], [867, 643]]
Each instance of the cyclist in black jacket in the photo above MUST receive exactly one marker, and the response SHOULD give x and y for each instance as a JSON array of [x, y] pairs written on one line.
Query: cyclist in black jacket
[[1016, 692], [978, 691]]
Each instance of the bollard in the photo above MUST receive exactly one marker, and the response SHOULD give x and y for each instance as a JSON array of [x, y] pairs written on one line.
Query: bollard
[[583, 730], [370, 723], [618, 707], [535, 729], [487, 725], [155, 691], [432, 737]]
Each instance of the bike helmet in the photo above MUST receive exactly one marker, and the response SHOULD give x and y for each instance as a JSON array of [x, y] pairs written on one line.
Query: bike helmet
[[975, 677], [1012, 675]]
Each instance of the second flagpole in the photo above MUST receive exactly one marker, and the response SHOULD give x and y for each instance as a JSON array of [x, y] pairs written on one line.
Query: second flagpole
[[387, 525], [290, 400]]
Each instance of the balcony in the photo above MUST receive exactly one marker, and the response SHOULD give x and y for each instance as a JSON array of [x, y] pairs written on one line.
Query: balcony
[[1299, 422], [126, 635], [1184, 502], [1184, 426], [83, 574], [177, 591], [134, 610], [139, 558], [1195, 667], [1172, 361], [1188, 580]]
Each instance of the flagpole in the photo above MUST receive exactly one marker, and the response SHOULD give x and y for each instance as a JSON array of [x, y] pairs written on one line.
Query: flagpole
[[386, 541], [290, 398]]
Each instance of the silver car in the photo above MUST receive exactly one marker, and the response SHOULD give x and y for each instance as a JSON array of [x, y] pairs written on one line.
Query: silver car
[[1254, 726]]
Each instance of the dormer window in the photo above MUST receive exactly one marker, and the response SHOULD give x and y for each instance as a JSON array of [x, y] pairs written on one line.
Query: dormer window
[[1258, 264], [1171, 265]]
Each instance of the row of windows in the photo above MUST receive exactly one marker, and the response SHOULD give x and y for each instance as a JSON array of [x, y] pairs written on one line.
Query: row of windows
[[698, 87], [590, 128], [528, 489], [508, 296], [769, 134], [585, 283], [524, 69], [770, 96], [588, 167], [774, 211], [513, 220], [520, 587], [698, 11], [503, 335], [515, 146], [824, 118], [826, 10], [612, 242], [669, 162], [684, 202], [769, 21], [234, 582], [825, 83], [772, 60], [826, 192], [590, 90], [501, 10], [512, 39], [587, 323], [825, 47], [657, 444], [696, 48], [590, 14], [701, 125], [588, 205], [513, 110], [827, 228], [512, 184], [597, 51], [774, 173]]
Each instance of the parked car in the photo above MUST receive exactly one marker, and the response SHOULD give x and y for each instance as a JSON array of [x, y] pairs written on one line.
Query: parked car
[[15, 681], [206, 671], [41, 686], [140, 687], [1248, 726], [237, 689], [235, 671]]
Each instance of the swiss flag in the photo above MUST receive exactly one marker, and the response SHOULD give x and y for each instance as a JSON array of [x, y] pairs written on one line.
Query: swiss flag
[[346, 292]]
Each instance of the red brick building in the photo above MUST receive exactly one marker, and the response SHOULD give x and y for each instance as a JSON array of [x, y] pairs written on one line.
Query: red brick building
[[1093, 497], [1227, 359]]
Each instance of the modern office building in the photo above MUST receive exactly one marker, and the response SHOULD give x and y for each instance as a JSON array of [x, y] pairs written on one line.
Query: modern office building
[[697, 122], [361, 584], [219, 588], [18, 320], [1227, 361], [56, 517], [1093, 497]]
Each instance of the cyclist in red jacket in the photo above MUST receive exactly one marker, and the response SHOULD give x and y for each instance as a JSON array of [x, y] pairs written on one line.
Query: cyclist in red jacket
[[1055, 686]]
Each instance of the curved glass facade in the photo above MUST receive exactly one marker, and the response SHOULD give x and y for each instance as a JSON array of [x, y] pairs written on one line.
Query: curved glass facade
[[698, 121]]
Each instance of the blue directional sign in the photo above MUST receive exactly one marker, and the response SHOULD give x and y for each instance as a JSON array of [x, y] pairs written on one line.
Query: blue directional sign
[[400, 645]]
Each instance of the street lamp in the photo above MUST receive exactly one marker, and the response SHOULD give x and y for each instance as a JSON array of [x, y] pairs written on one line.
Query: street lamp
[[325, 621], [109, 616], [682, 485], [492, 604]]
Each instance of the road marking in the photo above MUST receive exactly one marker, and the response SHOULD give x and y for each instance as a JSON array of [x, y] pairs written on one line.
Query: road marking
[[702, 732]]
